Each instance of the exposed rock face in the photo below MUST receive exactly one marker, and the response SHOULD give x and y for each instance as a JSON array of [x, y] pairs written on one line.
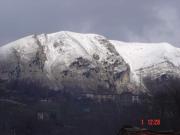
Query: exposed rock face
[[65, 60], [153, 60], [87, 63]]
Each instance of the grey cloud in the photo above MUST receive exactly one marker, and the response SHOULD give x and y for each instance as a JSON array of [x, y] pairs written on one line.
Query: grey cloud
[[165, 29], [127, 20]]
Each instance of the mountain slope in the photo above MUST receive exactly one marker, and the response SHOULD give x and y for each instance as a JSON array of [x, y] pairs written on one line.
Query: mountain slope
[[86, 63], [149, 59], [65, 60]]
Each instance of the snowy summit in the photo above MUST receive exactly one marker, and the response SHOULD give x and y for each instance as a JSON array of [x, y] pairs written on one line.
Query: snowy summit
[[85, 61]]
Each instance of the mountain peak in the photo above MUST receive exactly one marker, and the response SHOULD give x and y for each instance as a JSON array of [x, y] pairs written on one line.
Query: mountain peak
[[64, 59], [87, 61]]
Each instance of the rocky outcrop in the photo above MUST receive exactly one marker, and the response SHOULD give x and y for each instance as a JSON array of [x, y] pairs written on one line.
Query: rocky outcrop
[[65, 61], [87, 63]]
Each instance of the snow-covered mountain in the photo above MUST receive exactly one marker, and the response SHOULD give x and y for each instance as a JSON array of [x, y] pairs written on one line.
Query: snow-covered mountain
[[149, 59], [85, 61], [65, 60]]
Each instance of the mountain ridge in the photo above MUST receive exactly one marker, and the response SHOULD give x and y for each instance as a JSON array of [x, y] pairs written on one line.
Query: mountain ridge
[[85, 61]]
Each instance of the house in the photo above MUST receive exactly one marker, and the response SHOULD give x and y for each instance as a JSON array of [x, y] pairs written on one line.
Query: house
[[128, 98], [139, 131], [42, 116], [45, 100]]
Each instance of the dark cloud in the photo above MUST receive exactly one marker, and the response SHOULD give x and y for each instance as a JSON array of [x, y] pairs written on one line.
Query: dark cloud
[[128, 20]]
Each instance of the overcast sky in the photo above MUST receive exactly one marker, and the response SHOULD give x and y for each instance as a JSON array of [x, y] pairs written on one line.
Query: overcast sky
[[126, 20]]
